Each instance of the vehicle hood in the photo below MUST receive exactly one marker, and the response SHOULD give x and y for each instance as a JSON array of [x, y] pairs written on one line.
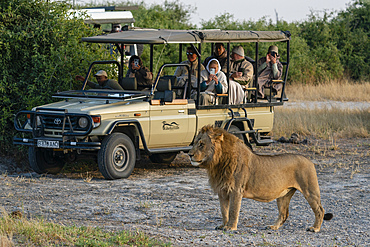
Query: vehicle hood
[[98, 107]]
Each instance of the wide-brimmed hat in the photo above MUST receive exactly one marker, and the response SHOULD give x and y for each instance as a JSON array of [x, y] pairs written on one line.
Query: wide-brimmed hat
[[101, 73], [238, 50]]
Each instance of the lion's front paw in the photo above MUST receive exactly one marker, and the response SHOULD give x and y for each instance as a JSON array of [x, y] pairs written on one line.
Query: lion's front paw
[[312, 229], [273, 227], [221, 227], [226, 228]]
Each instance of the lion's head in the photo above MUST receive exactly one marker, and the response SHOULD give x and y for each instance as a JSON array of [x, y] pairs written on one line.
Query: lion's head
[[207, 146]]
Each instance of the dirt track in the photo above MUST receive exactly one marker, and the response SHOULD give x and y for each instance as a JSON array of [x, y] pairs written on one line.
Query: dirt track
[[175, 204]]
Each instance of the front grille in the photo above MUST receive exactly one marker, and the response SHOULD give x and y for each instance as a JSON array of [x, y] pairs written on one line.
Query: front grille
[[55, 122], [49, 121]]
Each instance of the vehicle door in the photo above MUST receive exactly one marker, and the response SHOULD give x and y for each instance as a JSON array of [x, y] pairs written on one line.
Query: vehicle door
[[171, 123]]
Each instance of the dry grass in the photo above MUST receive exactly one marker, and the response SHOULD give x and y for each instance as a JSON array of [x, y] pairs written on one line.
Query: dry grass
[[321, 123], [20, 231], [5, 241], [325, 123], [338, 91]]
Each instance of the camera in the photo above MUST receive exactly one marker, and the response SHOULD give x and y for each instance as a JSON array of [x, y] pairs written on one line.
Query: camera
[[212, 71], [136, 62]]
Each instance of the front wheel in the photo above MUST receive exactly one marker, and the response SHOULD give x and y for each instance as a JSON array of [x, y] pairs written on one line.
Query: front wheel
[[45, 160], [117, 156]]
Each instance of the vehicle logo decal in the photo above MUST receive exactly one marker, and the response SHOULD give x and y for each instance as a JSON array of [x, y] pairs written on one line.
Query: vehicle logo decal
[[218, 123], [170, 126], [57, 121]]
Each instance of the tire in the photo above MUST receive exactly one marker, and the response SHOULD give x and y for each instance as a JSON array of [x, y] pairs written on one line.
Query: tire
[[117, 156], [166, 158], [234, 128], [45, 161]]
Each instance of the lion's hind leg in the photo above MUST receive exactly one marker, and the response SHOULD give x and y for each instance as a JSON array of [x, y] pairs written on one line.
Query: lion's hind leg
[[319, 214], [313, 199], [283, 207]]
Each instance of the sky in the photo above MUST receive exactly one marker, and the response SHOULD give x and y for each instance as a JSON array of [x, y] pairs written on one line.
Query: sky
[[288, 10]]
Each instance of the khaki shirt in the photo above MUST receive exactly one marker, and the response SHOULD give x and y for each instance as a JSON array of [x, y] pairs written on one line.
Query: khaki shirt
[[244, 66], [182, 70], [268, 72]]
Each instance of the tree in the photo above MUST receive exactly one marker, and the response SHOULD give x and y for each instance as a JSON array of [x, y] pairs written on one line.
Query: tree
[[40, 53], [351, 29]]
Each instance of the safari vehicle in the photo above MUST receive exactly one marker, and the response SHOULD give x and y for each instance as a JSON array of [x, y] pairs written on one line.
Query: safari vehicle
[[118, 126]]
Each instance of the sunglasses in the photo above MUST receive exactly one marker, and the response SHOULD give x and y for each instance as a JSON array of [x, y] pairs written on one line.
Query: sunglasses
[[189, 53]]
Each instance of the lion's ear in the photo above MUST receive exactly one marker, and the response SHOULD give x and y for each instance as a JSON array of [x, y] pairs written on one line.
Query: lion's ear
[[216, 136], [221, 137]]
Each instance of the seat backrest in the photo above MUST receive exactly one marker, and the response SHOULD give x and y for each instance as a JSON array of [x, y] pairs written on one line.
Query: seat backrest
[[171, 77], [129, 83], [164, 84], [163, 90]]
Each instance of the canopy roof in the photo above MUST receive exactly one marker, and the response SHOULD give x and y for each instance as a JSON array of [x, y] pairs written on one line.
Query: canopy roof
[[161, 36], [101, 16]]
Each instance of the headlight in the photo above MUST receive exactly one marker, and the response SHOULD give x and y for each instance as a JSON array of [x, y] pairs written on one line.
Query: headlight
[[83, 122], [30, 120], [38, 121]]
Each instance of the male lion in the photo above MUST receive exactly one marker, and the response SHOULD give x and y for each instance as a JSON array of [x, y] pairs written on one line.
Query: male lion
[[235, 172]]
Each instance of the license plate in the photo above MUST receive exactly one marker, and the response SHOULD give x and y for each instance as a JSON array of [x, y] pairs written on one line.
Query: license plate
[[47, 144]]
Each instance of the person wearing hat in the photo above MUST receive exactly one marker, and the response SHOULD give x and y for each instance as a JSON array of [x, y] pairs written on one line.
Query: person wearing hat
[[269, 68], [181, 72], [241, 72], [240, 69], [220, 54], [103, 81]]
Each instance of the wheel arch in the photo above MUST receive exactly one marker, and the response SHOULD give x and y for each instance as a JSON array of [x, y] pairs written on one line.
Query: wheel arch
[[132, 128]]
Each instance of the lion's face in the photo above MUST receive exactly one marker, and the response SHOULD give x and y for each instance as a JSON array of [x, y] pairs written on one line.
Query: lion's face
[[204, 147]]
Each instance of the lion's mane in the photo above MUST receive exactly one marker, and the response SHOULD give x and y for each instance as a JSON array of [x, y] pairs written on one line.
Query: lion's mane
[[223, 159]]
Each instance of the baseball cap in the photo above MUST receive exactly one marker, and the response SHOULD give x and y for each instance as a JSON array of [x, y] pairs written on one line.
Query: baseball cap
[[101, 73], [273, 48]]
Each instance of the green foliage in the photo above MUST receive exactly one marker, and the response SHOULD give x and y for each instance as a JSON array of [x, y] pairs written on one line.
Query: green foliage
[[351, 30], [40, 53]]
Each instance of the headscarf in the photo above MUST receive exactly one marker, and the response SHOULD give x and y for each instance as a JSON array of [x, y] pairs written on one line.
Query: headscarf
[[219, 66]]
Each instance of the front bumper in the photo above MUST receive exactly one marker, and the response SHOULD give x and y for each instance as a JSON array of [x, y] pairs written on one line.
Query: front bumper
[[55, 126]]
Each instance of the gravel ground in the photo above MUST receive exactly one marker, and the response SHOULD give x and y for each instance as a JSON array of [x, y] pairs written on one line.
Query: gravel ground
[[175, 204]]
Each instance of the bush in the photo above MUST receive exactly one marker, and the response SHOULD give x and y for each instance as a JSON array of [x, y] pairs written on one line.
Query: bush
[[40, 53]]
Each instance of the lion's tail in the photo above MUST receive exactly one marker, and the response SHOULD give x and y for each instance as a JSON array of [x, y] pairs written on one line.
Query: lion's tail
[[328, 216]]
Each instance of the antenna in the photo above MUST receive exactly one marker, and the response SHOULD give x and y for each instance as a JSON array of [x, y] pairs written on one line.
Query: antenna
[[277, 17]]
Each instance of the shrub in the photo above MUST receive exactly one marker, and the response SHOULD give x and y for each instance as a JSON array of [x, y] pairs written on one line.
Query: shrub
[[40, 53]]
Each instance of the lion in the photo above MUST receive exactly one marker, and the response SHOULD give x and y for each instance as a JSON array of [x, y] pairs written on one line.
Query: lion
[[235, 172]]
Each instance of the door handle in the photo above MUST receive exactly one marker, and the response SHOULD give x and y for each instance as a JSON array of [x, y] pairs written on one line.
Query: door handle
[[181, 111]]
